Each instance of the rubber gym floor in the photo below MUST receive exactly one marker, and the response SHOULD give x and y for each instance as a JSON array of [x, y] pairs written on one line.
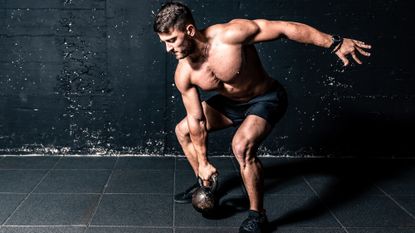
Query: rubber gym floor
[[61, 194]]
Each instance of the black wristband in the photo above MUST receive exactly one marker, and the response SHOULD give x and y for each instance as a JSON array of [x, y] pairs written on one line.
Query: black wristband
[[337, 48], [337, 41]]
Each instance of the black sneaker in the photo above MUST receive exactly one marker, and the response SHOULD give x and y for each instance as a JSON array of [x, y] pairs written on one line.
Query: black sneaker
[[186, 196], [255, 223]]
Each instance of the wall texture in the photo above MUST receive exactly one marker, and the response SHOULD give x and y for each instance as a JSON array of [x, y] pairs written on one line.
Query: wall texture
[[91, 77]]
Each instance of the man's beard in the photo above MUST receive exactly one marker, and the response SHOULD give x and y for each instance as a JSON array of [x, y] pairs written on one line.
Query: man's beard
[[189, 49]]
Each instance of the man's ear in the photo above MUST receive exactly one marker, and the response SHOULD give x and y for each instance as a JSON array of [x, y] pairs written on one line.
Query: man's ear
[[190, 30]]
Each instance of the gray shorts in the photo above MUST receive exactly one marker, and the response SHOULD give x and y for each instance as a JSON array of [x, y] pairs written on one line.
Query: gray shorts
[[271, 106]]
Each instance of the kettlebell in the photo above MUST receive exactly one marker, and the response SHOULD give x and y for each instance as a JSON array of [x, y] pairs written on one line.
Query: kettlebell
[[203, 199]]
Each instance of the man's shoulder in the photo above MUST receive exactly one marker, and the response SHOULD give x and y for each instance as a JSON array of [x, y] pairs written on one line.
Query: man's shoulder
[[216, 30], [183, 69], [226, 25], [182, 75], [227, 32]]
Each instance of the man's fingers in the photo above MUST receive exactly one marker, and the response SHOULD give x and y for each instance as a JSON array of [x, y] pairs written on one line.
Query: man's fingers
[[356, 58], [344, 59], [364, 53], [366, 46], [208, 181], [362, 44], [350, 49]]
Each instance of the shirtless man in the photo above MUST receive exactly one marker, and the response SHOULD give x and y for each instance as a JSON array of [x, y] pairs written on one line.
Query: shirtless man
[[222, 58]]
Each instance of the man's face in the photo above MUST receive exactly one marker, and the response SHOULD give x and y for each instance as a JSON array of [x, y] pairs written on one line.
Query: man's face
[[177, 43]]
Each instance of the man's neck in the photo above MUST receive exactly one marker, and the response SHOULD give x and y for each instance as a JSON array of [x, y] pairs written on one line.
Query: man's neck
[[202, 48]]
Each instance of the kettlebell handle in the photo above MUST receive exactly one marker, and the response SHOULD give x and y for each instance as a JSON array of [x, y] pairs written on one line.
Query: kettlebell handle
[[214, 182]]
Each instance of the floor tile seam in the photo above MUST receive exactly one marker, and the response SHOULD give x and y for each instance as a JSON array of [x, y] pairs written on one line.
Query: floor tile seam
[[206, 227], [24, 169], [55, 169], [289, 195], [233, 195], [403, 195], [382, 227], [83, 9], [216, 226], [44, 226], [130, 226], [28, 195], [82, 169], [396, 202], [149, 157], [309, 195], [143, 169], [63, 193], [101, 196], [158, 194], [12, 193], [235, 227], [174, 192], [310, 227], [325, 205]]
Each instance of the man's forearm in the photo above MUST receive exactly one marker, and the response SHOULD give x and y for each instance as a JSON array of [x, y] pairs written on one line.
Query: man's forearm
[[199, 144], [198, 136], [340, 46], [306, 34]]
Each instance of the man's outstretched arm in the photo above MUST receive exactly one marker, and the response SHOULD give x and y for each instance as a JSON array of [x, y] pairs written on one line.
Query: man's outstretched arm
[[260, 30]]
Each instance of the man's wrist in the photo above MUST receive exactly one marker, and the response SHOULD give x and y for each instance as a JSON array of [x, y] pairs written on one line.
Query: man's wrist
[[203, 162], [336, 43]]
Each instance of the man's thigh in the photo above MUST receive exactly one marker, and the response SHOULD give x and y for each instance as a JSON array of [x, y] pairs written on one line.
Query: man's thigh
[[253, 130], [214, 119]]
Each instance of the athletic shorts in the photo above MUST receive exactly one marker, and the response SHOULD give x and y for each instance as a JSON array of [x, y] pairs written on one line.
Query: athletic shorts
[[271, 106]]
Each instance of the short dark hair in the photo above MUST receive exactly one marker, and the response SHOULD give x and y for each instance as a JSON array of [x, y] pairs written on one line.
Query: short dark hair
[[172, 15]]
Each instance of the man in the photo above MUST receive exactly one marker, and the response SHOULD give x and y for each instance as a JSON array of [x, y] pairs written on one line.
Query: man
[[222, 58]]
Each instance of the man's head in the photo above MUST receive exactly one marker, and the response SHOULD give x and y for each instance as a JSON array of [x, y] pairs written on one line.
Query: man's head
[[172, 15], [175, 26]]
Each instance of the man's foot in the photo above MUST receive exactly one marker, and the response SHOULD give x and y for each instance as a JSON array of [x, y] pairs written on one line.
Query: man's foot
[[255, 223], [186, 196]]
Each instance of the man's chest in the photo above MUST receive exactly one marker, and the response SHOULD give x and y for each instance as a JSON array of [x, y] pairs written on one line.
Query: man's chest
[[222, 67]]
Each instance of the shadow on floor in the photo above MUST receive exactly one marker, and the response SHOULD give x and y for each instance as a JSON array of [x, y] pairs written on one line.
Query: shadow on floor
[[351, 178]]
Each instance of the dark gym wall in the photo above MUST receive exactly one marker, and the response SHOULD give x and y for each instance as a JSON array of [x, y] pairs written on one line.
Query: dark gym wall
[[91, 77]]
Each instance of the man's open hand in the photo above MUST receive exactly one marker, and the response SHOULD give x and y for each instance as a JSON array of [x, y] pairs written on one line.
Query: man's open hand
[[352, 47]]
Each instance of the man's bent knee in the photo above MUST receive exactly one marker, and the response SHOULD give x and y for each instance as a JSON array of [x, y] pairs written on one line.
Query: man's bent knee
[[244, 151], [182, 131]]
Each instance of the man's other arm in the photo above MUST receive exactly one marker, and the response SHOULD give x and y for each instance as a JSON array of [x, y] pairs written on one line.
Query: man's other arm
[[261, 30]]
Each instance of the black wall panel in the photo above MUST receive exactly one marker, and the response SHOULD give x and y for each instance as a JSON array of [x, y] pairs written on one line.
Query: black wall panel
[[91, 77]]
